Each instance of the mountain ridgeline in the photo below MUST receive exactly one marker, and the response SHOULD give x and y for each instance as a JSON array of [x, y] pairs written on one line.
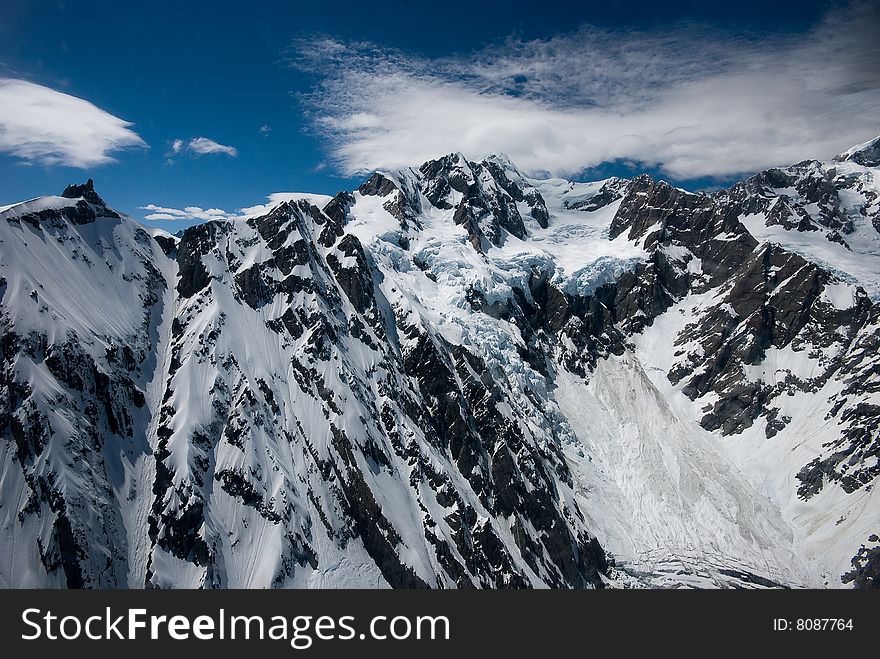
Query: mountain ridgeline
[[455, 376]]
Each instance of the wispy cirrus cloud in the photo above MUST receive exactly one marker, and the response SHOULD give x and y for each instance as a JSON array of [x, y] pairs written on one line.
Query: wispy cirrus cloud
[[44, 126], [200, 146], [692, 100]]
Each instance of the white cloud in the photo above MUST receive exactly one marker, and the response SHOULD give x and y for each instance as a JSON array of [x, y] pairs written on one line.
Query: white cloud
[[190, 213], [200, 146], [690, 100], [265, 129], [41, 125], [198, 214]]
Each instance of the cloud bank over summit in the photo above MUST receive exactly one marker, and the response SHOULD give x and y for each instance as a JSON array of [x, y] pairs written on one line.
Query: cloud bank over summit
[[693, 101]]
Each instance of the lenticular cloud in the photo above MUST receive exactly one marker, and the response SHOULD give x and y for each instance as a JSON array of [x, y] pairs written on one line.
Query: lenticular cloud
[[41, 125]]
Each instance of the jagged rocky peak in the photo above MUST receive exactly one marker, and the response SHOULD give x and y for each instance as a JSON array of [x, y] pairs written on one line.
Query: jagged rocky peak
[[443, 177], [78, 204], [453, 173], [867, 154], [515, 183], [86, 191], [491, 198], [400, 191], [803, 197], [766, 297], [831, 200]]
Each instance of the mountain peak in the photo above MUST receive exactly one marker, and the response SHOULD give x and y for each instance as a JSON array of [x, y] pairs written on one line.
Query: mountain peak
[[502, 159], [86, 191], [867, 154]]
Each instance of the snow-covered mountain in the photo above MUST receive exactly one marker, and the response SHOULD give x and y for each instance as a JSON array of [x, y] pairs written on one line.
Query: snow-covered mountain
[[454, 376]]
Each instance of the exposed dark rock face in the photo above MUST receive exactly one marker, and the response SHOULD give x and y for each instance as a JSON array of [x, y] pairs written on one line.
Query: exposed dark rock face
[[378, 185], [866, 566], [195, 243], [767, 297], [663, 216], [847, 460], [338, 207], [168, 245], [518, 189]]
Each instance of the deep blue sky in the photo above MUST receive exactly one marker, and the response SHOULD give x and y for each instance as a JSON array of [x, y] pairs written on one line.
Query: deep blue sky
[[188, 69]]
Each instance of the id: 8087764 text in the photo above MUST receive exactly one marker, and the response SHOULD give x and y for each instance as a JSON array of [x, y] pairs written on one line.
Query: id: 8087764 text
[[812, 624]]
